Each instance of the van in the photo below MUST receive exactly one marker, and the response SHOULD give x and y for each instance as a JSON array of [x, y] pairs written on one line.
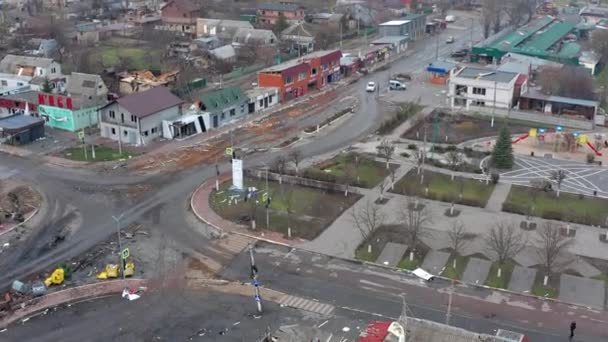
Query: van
[[450, 18], [396, 85]]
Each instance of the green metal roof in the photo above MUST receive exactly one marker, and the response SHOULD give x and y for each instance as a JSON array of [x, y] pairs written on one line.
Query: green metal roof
[[543, 41], [222, 98], [515, 38]]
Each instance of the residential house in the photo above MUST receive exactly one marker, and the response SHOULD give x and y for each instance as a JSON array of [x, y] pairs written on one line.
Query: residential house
[[479, 87], [299, 39], [223, 106], [95, 32], [297, 77], [254, 38], [225, 54], [43, 47], [180, 16], [13, 84], [268, 14], [138, 118], [38, 68], [68, 113], [397, 44], [223, 29], [20, 103], [593, 14], [327, 19], [412, 26], [207, 43], [143, 80], [358, 11], [89, 86]]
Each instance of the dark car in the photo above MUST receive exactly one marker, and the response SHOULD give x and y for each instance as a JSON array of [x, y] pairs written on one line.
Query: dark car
[[460, 53]]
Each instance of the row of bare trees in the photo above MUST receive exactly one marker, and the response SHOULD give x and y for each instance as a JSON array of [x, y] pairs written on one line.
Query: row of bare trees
[[496, 14]]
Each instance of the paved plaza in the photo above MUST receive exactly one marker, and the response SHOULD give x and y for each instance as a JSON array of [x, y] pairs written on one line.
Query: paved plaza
[[476, 271], [584, 291], [581, 178]]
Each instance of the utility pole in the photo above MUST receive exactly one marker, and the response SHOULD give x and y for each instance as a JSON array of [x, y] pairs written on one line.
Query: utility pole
[[448, 313], [472, 21], [120, 259], [267, 201], [256, 284], [437, 47]]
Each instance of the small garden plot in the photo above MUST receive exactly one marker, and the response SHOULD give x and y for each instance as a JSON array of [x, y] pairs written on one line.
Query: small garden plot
[[307, 211], [352, 168], [442, 188]]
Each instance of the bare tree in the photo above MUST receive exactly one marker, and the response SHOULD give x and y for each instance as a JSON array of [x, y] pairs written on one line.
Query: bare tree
[[599, 43], [454, 160], [489, 15], [287, 194], [504, 241], [296, 157], [414, 217], [558, 176], [567, 81], [279, 166], [458, 237], [348, 175], [386, 150], [552, 248], [367, 218]]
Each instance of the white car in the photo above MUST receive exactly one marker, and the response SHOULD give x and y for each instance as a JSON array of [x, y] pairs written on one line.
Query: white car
[[371, 87]]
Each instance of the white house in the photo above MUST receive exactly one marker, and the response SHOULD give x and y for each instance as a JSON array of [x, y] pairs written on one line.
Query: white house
[[481, 87], [262, 98], [138, 118], [13, 84], [30, 66]]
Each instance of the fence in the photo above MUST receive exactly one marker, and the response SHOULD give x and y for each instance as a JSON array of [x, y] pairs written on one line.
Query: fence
[[545, 119]]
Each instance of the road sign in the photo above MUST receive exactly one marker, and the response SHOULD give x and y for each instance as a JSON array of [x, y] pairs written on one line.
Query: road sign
[[81, 135], [237, 173], [229, 151], [265, 197], [258, 298], [125, 253]]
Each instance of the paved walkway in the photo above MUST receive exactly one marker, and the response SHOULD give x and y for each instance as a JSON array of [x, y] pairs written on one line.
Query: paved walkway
[[499, 195]]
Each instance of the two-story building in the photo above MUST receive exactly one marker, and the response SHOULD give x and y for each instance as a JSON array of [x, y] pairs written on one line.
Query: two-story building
[[268, 14], [13, 84], [479, 87], [38, 69], [89, 86], [138, 118], [296, 77], [180, 16], [412, 26], [223, 29], [251, 38], [68, 113]]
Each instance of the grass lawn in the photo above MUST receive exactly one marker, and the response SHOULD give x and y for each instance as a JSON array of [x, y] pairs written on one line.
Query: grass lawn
[[369, 172], [455, 273], [139, 58], [549, 291], [311, 210], [567, 207], [442, 188], [603, 277], [503, 281], [410, 265], [102, 153]]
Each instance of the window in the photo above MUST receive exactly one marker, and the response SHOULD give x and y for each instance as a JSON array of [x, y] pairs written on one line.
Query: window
[[242, 108], [122, 117], [288, 80], [478, 103], [261, 103], [232, 112], [112, 114], [324, 66], [40, 72], [271, 40], [313, 71], [223, 116], [125, 133], [154, 130], [113, 131], [270, 99], [133, 118], [302, 76], [479, 91], [19, 83], [4, 83], [145, 133], [53, 70]]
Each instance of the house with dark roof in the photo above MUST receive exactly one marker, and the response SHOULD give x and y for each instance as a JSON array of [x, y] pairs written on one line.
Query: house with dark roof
[[254, 38], [268, 14], [90, 86], [137, 118], [21, 129], [224, 105], [180, 16]]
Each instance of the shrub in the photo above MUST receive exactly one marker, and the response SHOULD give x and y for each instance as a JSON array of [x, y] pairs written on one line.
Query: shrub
[[438, 149], [513, 208], [495, 177], [552, 215], [404, 154], [413, 147]]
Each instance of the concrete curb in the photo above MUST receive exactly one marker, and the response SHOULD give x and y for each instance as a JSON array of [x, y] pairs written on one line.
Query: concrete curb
[[31, 307], [22, 223]]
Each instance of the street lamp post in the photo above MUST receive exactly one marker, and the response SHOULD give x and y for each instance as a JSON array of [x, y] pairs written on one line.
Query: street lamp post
[[256, 284], [267, 201], [122, 266]]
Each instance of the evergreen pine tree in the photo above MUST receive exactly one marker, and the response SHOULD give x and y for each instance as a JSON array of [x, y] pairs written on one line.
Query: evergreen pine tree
[[281, 24], [46, 86], [502, 155]]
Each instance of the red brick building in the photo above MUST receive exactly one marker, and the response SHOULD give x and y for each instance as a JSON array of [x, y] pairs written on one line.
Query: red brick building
[[268, 14], [180, 16], [299, 76]]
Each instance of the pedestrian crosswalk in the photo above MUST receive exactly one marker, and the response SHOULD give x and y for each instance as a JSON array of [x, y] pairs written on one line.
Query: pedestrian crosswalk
[[6, 173], [307, 305], [234, 243]]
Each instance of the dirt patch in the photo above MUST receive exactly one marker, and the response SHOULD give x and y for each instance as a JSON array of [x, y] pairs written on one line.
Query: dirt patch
[[17, 201], [457, 128]]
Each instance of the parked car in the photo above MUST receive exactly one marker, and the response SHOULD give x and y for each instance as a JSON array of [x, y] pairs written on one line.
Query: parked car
[[450, 18], [450, 40], [460, 53], [371, 87], [396, 85]]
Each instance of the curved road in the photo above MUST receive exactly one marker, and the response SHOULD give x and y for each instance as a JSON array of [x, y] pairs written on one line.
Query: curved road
[[95, 198]]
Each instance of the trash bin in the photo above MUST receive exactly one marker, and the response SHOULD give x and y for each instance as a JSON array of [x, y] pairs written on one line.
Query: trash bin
[[594, 192]]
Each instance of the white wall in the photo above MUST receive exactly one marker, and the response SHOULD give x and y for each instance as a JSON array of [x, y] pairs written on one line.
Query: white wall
[[504, 92]]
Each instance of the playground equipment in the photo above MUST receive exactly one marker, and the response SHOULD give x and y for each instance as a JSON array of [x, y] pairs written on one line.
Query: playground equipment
[[531, 133], [584, 140]]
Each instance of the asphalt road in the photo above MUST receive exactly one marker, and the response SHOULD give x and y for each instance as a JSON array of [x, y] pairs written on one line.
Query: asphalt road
[[376, 290]]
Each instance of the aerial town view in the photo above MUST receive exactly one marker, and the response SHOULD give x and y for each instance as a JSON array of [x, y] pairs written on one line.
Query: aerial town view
[[304, 170]]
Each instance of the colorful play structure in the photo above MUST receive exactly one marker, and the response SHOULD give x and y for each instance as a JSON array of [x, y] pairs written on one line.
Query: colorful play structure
[[539, 134]]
